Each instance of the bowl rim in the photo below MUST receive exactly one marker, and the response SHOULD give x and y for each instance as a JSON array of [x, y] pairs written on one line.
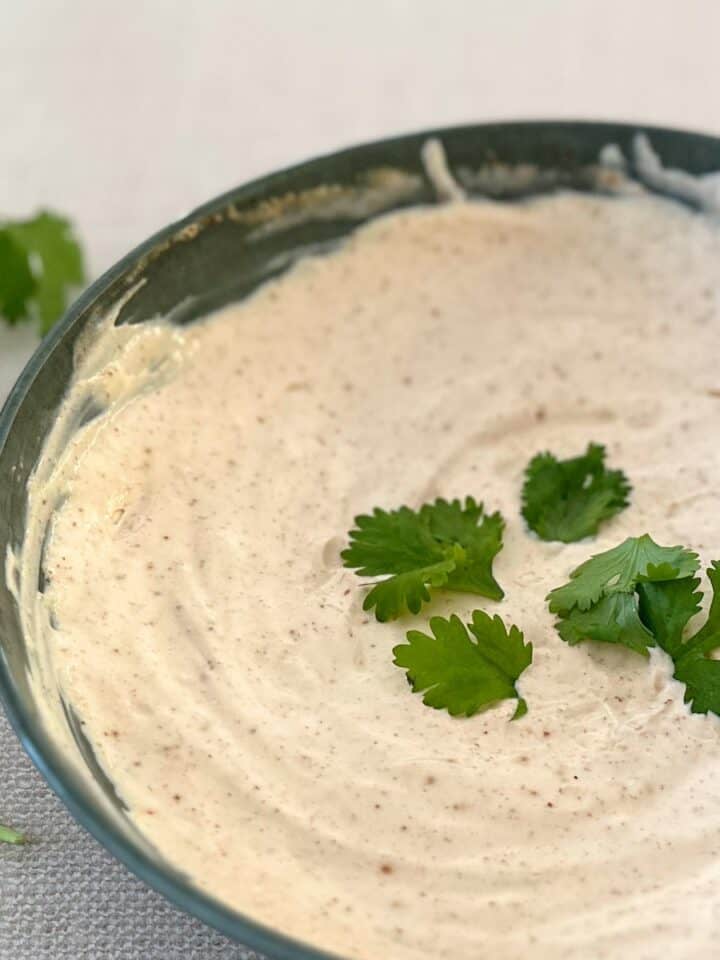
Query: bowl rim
[[179, 891]]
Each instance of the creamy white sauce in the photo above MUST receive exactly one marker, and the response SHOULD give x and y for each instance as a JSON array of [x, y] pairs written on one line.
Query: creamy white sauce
[[198, 618]]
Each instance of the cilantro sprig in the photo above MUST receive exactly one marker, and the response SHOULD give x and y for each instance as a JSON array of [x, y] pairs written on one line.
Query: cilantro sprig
[[567, 500], [600, 601], [667, 608], [40, 265], [641, 595], [463, 669], [619, 570], [443, 544], [613, 619]]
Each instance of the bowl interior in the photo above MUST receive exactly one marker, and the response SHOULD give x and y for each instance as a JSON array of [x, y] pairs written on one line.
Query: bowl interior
[[219, 254]]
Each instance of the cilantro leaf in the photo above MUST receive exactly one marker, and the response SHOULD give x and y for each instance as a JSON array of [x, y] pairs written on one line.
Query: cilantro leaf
[[640, 594], [17, 284], [40, 264], [462, 675], [398, 542], [442, 544], [701, 677], [666, 607], [707, 638], [619, 571], [395, 541], [10, 836], [613, 619], [393, 596], [693, 665], [453, 523], [449, 521], [567, 500]]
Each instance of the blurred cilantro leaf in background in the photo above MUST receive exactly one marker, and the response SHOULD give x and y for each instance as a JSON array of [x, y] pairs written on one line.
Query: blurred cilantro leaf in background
[[41, 265]]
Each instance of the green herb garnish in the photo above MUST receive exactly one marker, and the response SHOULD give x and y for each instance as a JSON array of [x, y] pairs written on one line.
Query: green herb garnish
[[567, 500], [619, 571], [444, 544], [11, 836], [463, 675], [40, 266], [600, 600], [613, 619], [667, 608], [641, 595]]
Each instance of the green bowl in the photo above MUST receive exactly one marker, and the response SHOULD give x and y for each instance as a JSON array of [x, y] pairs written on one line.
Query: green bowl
[[214, 256]]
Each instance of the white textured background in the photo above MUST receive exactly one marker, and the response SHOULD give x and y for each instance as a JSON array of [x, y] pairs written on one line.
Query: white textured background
[[125, 116]]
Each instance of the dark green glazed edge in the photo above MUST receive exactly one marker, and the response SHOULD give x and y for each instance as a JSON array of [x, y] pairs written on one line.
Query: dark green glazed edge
[[180, 269]]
